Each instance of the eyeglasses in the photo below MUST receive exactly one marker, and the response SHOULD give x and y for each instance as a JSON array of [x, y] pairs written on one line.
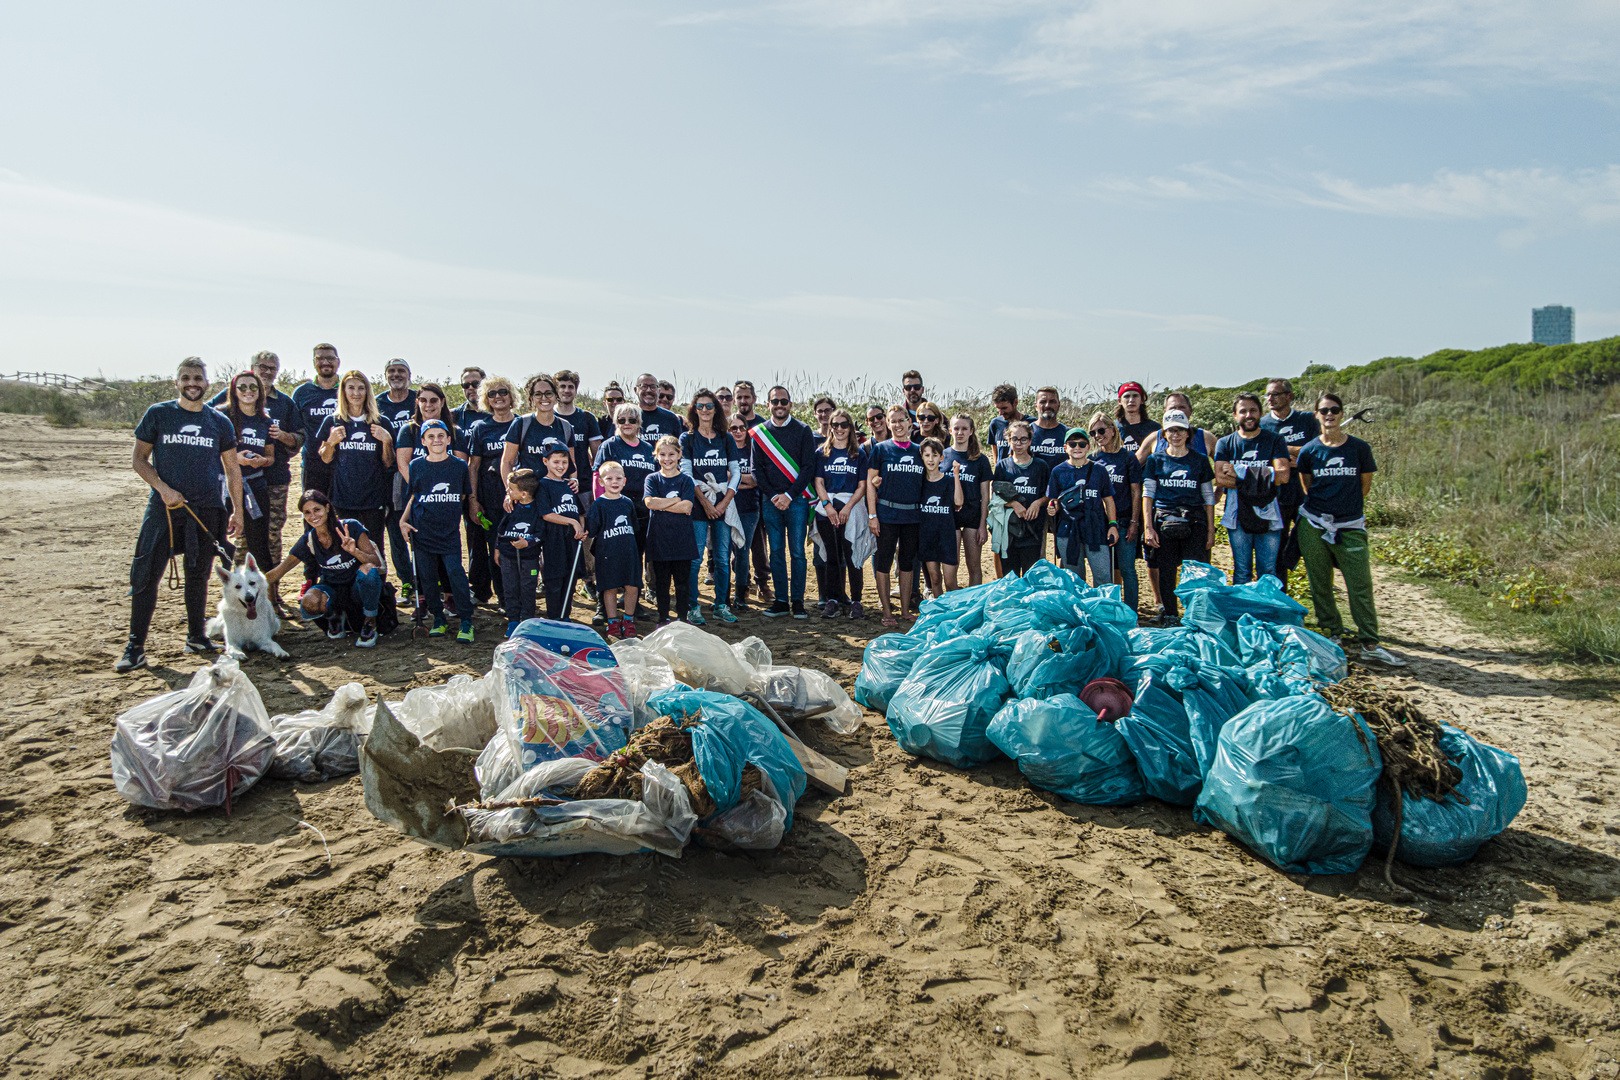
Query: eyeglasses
[[704, 406], [1175, 431], [1331, 410], [781, 401], [841, 424], [543, 394], [1018, 438]]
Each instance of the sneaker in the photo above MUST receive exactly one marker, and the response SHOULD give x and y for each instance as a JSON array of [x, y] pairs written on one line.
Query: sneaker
[[511, 627], [777, 609], [1158, 609], [857, 612], [829, 610], [694, 616], [201, 645], [334, 627], [598, 618], [708, 579], [407, 592], [465, 634], [134, 657], [1380, 655], [799, 612], [368, 635], [440, 627], [723, 613], [627, 629]]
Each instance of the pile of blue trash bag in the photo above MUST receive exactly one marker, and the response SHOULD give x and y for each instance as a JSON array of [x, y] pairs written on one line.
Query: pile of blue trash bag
[[1225, 715]]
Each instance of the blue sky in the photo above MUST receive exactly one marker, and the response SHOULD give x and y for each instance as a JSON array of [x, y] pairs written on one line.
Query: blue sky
[[1168, 190]]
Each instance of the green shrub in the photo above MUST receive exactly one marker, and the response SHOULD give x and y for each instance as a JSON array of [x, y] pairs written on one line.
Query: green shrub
[[63, 411], [1433, 555], [1530, 590]]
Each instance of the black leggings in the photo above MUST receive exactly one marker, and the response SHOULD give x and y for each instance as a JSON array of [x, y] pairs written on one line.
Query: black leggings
[[840, 561], [892, 536], [1172, 553], [152, 551], [256, 530], [680, 571], [1021, 559]]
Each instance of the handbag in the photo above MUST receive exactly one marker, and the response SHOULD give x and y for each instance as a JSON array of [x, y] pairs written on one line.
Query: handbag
[[1174, 522]]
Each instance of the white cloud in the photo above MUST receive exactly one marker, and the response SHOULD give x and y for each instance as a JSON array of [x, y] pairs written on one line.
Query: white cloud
[[1031, 313], [1197, 55], [1547, 198], [1217, 325]]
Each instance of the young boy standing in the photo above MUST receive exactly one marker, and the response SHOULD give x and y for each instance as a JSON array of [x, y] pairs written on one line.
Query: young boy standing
[[518, 547], [560, 509], [431, 523], [611, 523], [671, 545], [1081, 496]]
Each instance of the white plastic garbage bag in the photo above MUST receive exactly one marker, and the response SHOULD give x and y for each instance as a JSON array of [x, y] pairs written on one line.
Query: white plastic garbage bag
[[700, 659], [194, 748], [458, 715], [645, 673], [661, 820], [753, 651], [803, 690], [322, 744]]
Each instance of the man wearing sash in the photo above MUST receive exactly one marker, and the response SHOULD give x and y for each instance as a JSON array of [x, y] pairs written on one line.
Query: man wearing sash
[[783, 456]]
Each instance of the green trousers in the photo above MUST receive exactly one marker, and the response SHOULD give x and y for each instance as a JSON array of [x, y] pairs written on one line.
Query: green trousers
[[1353, 559]]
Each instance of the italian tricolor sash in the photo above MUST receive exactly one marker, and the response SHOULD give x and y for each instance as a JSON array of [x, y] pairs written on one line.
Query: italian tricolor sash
[[781, 458]]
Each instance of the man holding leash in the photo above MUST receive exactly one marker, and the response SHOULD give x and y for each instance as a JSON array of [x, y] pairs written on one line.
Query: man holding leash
[[186, 453]]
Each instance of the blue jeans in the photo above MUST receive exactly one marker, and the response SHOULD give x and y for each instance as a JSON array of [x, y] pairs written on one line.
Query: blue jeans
[[428, 569], [786, 527], [1125, 563], [703, 528], [1253, 554], [739, 554], [366, 588]]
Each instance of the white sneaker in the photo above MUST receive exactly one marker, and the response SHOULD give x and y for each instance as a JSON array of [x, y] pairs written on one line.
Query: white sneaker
[[1381, 655]]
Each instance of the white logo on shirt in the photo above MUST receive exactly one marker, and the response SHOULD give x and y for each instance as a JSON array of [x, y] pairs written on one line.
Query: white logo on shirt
[[520, 526], [191, 429], [622, 520], [441, 487]]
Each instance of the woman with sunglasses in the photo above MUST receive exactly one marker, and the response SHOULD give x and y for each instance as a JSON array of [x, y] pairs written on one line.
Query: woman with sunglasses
[[708, 456], [1336, 470], [359, 446], [972, 528], [486, 446], [1178, 492], [244, 408], [877, 425], [748, 509], [840, 482], [526, 439], [931, 424], [612, 398], [635, 455], [1125, 473]]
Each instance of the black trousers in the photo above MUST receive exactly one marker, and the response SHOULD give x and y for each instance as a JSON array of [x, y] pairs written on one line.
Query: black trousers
[[482, 573], [152, 552], [256, 530], [1021, 558], [840, 562], [680, 572], [1172, 553]]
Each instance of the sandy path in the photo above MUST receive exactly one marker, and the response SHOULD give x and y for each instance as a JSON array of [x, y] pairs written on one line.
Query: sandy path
[[933, 922]]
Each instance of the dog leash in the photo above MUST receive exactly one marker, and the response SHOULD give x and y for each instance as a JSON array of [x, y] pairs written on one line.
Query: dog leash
[[174, 566]]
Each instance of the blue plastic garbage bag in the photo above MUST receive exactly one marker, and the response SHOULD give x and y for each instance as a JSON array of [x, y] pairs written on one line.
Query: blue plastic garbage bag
[[1181, 639], [1062, 662], [960, 611], [1450, 832], [1061, 746], [1158, 734], [884, 666], [1211, 698], [734, 734], [1296, 782], [1284, 646], [1214, 607], [954, 690]]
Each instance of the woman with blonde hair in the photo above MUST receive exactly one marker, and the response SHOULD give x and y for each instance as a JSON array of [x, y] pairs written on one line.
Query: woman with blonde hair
[[931, 424], [486, 445], [1108, 449], [360, 449]]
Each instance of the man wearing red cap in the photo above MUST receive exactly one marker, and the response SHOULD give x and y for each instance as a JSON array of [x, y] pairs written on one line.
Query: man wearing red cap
[[1131, 416]]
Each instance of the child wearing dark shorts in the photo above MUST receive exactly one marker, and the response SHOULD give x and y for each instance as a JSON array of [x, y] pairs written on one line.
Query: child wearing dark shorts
[[611, 523], [518, 547]]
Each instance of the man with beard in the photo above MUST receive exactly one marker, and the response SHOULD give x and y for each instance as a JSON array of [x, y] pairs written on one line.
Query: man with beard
[[656, 421], [397, 406], [783, 458], [1251, 463], [911, 385], [1005, 400], [287, 435], [744, 396], [1046, 434], [1295, 427], [186, 453], [313, 402], [467, 413], [666, 397]]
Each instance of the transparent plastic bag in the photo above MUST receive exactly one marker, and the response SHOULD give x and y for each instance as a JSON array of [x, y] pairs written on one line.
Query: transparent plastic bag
[[700, 659], [661, 820], [191, 749], [557, 706], [753, 651], [804, 690], [460, 715], [756, 823], [322, 744], [645, 673], [497, 766]]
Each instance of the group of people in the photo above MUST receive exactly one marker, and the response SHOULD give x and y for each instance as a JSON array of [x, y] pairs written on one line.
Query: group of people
[[548, 495]]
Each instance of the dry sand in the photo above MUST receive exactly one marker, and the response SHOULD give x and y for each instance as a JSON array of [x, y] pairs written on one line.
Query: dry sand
[[932, 922]]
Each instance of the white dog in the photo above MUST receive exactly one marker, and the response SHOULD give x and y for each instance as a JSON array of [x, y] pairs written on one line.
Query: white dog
[[245, 619]]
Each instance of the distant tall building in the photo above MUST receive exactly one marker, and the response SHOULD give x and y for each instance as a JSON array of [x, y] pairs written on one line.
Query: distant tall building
[[1552, 325]]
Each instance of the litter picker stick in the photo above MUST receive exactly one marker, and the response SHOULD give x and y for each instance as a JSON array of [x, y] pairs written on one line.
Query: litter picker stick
[[820, 769], [573, 576]]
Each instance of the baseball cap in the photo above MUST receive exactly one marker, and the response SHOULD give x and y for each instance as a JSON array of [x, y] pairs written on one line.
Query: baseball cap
[[1077, 434], [435, 425], [396, 362], [1176, 418], [552, 446]]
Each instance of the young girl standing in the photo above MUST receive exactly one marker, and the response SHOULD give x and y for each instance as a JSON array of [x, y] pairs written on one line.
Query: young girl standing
[[942, 497], [245, 409], [669, 495], [972, 527], [431, 523], [611, 523], [563, 530]]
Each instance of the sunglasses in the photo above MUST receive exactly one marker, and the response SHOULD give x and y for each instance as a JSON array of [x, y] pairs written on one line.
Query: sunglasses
[[1100, 432], [928, 416], [724, 397], [781, 401], [909, 387], [613, 401], [1331, 410], [470, 386], [739, 427], [842, 424], [247, 388], [632, 421], [498, 393], [704, 406]]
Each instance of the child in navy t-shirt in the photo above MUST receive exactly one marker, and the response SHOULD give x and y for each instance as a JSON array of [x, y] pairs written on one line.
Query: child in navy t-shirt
[[563, 529], [669, 495], [611, 523], [518, 547], [942, 496]]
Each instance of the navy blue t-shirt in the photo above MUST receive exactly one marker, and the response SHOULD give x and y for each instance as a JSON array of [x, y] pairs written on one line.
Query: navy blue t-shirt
[[1132, 436], [1296, 429], [396, 414], [901, 470], [1264, 449], [974, 473], [711, 458], [438, 490], [996, 434], [466, 416], [1030, 482], [1047, 444], [638, 462], [186, 447], [487, 442], [1178, 481], [530, 436], [1335, 473], [1123, 471], [841, 470], [936, 534], [660, 421], [252, 436], [747, 500], [525, 523], [278, 407], [360, 479], [1098, 486], [556, 498], [669, 535], [333, 565], [611, 522], [311, 406], [410, 438]]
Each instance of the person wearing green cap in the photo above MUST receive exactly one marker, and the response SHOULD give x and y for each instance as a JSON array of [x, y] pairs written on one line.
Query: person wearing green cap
[[1080, 497]]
